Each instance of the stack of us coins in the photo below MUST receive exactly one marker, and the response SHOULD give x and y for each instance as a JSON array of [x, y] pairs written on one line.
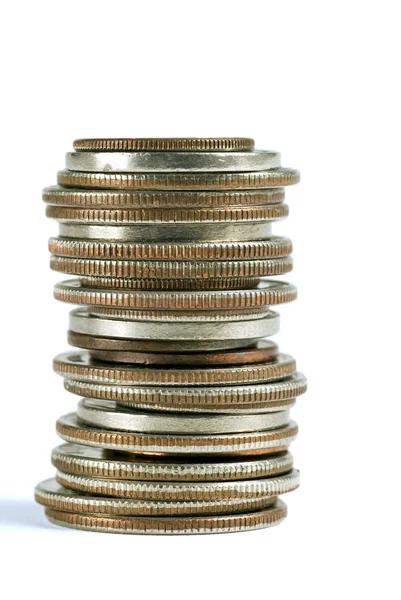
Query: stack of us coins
[[183, 424]]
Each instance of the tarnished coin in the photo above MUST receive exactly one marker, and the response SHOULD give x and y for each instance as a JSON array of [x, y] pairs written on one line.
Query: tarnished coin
[[273, 247], [108, 415], [72, 430], [164, 144], [210, 398], [79, 366], [51, 494], [96, 462], [179, 181], [147, 199], [183, 490], [171, 162], [270, 212], [205, 332], [267, 293], [171, 525], [174, 285], [143, 269], [261, 352]]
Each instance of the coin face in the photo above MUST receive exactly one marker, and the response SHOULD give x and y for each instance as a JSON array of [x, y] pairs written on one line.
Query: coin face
[[171, 525], [165, 144]]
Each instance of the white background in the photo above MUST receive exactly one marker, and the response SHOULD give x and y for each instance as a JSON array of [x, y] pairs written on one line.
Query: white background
[[318, 81]]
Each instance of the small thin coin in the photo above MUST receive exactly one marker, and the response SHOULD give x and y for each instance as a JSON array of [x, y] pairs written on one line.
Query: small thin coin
[[206, 332], [179, 316], [79, 367], [234, 144], [72, 430], [96, 462], [175, 285], [270, 212], [143, 269], [267, 293], [170, 162], [179, 181], [212, 398], [171, 525], [261, 352], [167, 491], [273, 247], [147, 199], [108, 415], [51, 494]]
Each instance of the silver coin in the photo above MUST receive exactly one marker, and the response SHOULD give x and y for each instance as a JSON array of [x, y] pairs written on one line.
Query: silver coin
[[109, 415], [161, 162], [182, 490], [53, 495], [168, 232], [84, 460], [82, 322]]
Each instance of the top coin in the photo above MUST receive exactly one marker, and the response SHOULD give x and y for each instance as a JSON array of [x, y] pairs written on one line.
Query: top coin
[[165, 145], [160, 162]]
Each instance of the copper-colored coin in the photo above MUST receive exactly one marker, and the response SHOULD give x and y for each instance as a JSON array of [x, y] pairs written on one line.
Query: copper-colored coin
[[262, 352], [230, 283], [171, 525], [178, 181], [240, 144]]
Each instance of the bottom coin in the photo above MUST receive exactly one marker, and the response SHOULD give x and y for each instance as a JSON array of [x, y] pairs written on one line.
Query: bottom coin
[[171, 525], [53, 495]]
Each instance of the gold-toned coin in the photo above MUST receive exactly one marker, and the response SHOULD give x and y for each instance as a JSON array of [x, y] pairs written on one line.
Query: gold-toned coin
[[178, 181], [240, 144], [171, 525]]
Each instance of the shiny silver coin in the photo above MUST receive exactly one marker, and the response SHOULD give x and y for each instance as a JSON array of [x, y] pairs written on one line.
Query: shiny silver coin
[[109, 415], [83, 322], [96, 462], [161, 162]]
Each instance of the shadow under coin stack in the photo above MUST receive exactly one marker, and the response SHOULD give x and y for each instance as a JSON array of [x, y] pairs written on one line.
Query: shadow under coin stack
[[184, 425]]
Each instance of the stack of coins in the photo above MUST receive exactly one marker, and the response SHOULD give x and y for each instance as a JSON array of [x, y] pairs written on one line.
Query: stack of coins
[[183, 424]]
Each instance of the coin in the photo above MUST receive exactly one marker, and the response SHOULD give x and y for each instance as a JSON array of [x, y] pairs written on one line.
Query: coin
[[96, 462], [273, 247], [160, 285], [171, 525], [270, 212], [261, 352], [179, 181], [108, 415], [183, 490], [53, 495], [83, 322], [71, 430], [165, 144], [123, 199], [267, 293], [170, 162], [213, 397], [179, 316], [79, 366]]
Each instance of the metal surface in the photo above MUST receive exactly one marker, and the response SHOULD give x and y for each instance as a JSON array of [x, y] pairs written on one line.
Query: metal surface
[[165, 144]]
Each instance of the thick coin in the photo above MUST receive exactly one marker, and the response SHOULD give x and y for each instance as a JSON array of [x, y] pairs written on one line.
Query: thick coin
[[72, 430], [273, 247], [51, 494], [174, 233], [271, 212], [175, 285], [123, 199], [183, 490], [268, 293], [79, 367], [171, 525], [179, 316], [207, 332], [143, 269], [212, 398], [261, 352], [164, 144], [179, 181], [108, 415], [96, 462], [170, 162]]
